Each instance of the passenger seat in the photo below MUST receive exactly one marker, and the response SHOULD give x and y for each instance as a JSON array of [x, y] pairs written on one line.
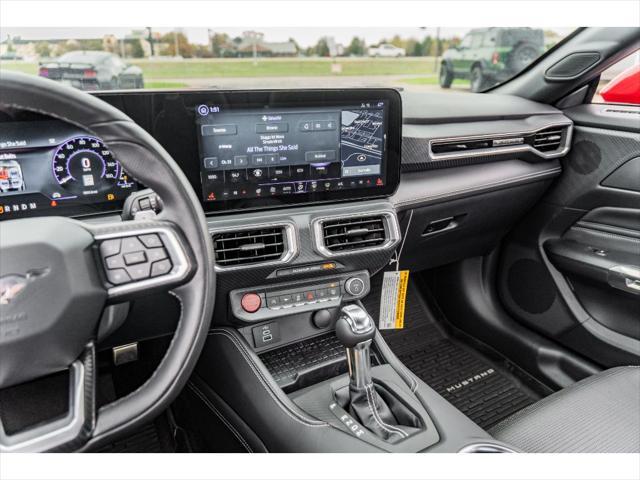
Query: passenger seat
[[600, 414]]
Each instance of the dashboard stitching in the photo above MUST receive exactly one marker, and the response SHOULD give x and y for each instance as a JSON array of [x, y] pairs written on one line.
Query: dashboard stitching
[[292, 414], [218, 414], [481, 187]]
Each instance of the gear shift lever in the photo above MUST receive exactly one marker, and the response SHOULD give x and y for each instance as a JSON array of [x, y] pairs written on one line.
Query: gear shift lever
[[386, 417], [355, 330]]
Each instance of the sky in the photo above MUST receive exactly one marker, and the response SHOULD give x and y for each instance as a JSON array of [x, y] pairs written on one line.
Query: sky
[[305, 36]]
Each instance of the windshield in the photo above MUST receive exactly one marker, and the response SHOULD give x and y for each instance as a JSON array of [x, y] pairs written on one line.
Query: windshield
[[422, 59]]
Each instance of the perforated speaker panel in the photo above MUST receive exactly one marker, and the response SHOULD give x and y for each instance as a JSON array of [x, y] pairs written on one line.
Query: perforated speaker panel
[[572, 65]]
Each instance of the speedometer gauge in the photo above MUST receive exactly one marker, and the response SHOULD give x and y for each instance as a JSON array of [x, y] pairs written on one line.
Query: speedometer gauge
[[84, 166]]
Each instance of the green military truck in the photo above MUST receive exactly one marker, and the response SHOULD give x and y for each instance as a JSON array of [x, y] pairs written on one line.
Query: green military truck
[[488, 56]]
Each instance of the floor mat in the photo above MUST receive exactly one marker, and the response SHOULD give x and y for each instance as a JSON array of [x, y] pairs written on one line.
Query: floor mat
[[481, 388], [150, 438]]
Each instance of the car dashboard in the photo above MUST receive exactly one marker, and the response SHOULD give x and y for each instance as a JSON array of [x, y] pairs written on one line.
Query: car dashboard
[[308, 194]]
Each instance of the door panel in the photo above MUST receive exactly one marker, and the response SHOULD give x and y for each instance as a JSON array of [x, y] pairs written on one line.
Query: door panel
[[569, 269]]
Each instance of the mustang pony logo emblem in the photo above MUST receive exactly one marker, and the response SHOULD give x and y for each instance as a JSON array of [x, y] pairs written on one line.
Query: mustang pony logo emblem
[[12, 285]]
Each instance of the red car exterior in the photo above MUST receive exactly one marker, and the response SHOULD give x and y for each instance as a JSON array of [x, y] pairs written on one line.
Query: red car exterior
[[624, 88]]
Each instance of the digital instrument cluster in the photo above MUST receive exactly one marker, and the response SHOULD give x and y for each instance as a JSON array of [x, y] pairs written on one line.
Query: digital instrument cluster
[[50, 167]]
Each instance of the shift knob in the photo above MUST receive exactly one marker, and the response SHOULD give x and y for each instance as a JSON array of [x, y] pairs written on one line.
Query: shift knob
[[354, 326], [355, 330]]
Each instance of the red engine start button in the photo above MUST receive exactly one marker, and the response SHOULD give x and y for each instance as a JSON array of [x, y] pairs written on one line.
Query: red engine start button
[[251, 302]]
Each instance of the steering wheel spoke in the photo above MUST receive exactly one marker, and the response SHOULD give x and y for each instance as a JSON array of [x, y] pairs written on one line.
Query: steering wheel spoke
[[62, 433], [140, 257]]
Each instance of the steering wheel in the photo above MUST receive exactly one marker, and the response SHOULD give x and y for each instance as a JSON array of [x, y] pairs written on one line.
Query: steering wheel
[[54, 285]]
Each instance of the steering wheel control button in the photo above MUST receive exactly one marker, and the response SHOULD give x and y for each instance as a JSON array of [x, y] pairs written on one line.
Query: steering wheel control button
[[118, 276], [251, 302], [161, 268], [155, 254], [151, 240], [139, 272], [115, 261], [134, 258], [131, 244], [354, 286], [110, 247], [264, 335]]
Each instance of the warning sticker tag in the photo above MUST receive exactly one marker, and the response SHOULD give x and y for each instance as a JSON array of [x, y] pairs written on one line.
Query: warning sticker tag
[[392, 299]]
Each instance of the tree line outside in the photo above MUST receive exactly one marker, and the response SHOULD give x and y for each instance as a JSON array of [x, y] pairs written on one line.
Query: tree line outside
[[223, 46]]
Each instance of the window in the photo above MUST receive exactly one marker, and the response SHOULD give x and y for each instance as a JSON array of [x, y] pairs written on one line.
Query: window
[[409, 58], [489, 40], [466, 42], [620, 83], [476, 40]]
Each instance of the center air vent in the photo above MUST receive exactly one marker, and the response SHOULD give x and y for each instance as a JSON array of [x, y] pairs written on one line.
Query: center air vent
[[353, 233], [249, 247], [549, 139]]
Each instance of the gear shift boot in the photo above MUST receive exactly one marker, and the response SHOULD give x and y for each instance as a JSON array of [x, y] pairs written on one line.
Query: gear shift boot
[[380, 412], [375, 407]]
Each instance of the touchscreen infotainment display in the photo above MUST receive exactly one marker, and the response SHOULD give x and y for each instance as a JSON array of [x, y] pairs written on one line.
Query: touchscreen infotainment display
[[248, 153]]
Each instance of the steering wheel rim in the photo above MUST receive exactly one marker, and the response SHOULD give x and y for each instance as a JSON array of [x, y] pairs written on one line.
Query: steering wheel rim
[[148, 163]]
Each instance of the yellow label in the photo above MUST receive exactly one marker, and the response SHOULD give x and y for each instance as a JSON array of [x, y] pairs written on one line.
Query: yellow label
[[392, 300], [401, 298]]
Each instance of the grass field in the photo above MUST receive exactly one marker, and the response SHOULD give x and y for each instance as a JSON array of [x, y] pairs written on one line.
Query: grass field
[[431, 80], [267, 67]]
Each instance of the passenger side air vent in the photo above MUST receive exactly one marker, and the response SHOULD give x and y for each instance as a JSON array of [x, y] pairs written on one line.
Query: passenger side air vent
[[250, 247], [549, 139], [461, 146], [353, 233], [546, 143]]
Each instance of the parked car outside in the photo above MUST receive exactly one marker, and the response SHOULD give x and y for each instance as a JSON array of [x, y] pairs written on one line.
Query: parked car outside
[[387, 50], [92, 70], [488, 56], [11, 56]]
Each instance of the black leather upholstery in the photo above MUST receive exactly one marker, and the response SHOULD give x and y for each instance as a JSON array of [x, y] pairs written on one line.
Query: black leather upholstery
[[600, 414]]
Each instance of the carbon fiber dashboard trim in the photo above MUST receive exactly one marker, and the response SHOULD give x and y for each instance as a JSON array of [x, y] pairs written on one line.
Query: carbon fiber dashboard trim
[[417, 141]]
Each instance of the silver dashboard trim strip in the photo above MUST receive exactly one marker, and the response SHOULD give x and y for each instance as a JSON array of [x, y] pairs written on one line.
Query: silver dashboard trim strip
[[502, 150]]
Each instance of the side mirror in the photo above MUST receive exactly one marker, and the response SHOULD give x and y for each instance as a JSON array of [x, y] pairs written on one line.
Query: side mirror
[[624, 88]]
